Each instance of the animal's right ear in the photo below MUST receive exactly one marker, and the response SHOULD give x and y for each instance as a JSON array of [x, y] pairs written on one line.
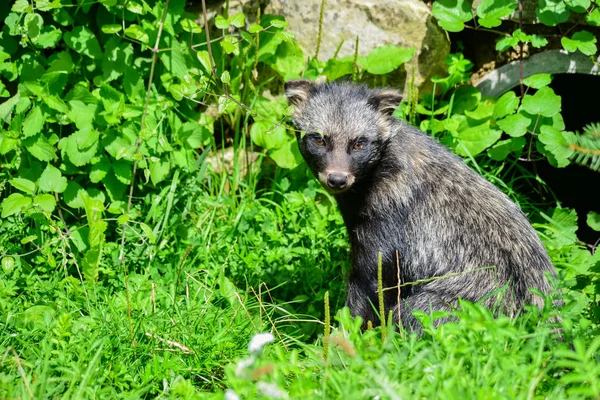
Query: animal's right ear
[[297, 91]]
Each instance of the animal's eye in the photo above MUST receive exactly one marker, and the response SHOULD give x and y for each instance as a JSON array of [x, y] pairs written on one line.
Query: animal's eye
[[358, 145], [319, 141]]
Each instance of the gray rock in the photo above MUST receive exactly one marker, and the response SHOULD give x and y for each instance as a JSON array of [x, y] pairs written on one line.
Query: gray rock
[[503, 79], [406, 23]]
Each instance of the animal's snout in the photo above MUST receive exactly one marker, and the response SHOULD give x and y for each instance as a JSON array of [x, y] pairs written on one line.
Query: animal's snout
[[337, 181]]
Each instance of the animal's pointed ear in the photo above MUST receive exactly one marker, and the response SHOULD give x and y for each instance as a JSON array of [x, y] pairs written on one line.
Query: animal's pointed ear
[[297, 91], [385, 100]]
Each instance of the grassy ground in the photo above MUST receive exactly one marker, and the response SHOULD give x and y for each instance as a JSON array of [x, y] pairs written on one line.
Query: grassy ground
[[233, 258]]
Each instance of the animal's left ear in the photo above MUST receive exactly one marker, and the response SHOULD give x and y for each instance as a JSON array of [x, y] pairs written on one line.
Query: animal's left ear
[[385, 101]]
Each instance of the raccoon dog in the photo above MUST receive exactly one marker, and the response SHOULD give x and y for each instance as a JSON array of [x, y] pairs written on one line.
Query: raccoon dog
[[405, 196]]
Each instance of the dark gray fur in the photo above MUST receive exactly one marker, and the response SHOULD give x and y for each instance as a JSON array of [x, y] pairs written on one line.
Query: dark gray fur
[[409, 194]]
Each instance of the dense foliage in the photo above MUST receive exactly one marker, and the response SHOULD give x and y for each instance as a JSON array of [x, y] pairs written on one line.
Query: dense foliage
[[155, 216]]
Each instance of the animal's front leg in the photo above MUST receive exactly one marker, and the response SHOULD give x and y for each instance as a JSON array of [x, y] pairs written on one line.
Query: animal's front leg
[[361, 300]]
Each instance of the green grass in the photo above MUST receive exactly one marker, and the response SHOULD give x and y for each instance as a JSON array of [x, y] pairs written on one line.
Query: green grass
[[233, 258]]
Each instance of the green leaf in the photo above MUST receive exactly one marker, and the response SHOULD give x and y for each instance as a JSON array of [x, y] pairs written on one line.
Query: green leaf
[[552, 12], [199, 136], [159, 171], [204, 59], [136, 32], [557, 143], [506, 43], [593, 18], [384, 59], [99, 169], [15, 203], [255, 28], [289, 60], [543, 102], [491, 11], [24, 185], [52, 180], [238, 20], [33, 25], [506, 104], [538, 41], [189, 25], [538, 81], [483, 111], [83, 41], [221, 22], [230, 45], [40, 148], [123, 171], [56, 104], [515, 125], [49, 37], [21, 6], [148, 232], [476, 139], [268, 136], [45, 201], [593, 220], [111, 28], [503, 148], [579, 6], [583, 41], [135, 7], [452, 14], [34, 122], [6, 107], [287, 156]]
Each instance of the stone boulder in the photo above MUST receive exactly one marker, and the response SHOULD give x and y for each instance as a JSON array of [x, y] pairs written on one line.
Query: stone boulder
[[405, 23]]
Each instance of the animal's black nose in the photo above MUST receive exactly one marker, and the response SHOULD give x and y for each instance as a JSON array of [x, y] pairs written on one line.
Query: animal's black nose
[[337, 181]]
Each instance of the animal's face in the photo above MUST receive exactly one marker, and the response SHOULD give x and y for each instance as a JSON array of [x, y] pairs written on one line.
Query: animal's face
[[342, 129]]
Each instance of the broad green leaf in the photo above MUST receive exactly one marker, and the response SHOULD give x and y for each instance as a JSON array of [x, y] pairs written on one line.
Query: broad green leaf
[[507, 42], [99, 169], [515, 125], [73, 194], [14, 204], [33, 25], [78, 156], [557, 143], [384, 59], [49, 37], [136, 32], [174, 60], [189, 25], [7, 106], [159, 171], [52, 180], [230, 45], [593, 220], [452, 14], [24, 185], [289, 60], [583, 41], [579, 6], [221, 22], [123, 170], [255, 28], [538, 81], [111, 28], [474, 140], [268, 136], [135, 7], [45, 201], [484, 111], [279, 22], [238, 20], [506, 104], [338, 67], [56, 104], [204, 59], [503, 148], [552, 12], [544, 102], [21, 6], [63, 63], [82, 114], [593, 18], [34, 122], [40, 148], [490, 11], [466, 98], [83, 41], [287, 156], [538, 41], [199, 135]]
